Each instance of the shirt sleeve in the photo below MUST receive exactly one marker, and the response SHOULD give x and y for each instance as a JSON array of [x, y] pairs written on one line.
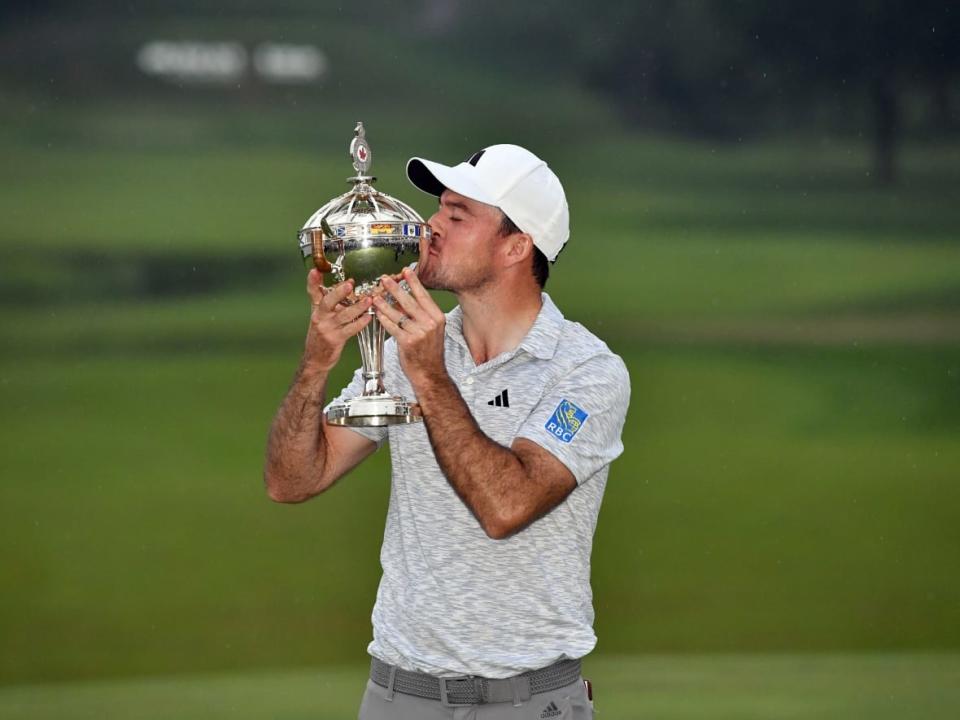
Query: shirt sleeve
[[352, 390], [580, 419]]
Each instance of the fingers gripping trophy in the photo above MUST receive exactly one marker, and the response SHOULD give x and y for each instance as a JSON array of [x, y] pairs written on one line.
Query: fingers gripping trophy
[[363, 235]]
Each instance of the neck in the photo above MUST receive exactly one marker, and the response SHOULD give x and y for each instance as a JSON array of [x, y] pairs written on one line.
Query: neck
[[496, 319]]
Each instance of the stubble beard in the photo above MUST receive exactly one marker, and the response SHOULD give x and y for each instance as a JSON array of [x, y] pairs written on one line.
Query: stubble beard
[[438, 278]]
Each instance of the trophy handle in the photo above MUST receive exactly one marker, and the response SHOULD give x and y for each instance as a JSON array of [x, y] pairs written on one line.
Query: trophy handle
[[320, 261]]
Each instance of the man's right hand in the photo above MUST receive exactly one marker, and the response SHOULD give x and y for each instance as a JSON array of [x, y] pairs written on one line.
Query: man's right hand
[[331, 323]]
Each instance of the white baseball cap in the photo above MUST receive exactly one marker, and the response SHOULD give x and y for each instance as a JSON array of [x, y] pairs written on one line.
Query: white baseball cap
[[512, 179]]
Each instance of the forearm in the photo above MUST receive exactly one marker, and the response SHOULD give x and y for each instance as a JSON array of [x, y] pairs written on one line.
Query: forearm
[[297, 450], [505, 488], [488, 477]]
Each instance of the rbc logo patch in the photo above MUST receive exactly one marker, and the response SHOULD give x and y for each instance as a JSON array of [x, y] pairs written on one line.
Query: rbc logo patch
[[566, 421]]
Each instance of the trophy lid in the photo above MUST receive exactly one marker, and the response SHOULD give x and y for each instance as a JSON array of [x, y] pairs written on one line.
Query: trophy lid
[[363, 233]]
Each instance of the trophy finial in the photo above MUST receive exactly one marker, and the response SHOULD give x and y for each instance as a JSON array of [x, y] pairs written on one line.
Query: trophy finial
[[360, 150]]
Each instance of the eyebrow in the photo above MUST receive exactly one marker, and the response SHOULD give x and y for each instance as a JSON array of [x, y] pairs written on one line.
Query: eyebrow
[[457, 205]]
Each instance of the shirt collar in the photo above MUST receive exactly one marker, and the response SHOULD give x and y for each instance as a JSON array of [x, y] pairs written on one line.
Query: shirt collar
[[541, 339]]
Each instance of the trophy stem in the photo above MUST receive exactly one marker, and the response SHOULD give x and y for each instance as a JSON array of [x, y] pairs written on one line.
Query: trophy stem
[[375, 407], [371, 340]]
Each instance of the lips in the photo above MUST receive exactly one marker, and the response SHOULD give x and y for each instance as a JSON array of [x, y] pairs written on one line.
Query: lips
[[428, 257], [428, 245]]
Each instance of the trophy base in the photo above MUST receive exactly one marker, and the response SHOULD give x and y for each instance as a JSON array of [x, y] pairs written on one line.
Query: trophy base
[[374, 411]]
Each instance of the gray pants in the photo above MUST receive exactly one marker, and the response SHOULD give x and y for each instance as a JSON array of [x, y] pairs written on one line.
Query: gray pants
[[566, 703]]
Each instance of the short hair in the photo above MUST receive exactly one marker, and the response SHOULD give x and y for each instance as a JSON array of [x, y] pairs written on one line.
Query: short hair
[[541, 266]]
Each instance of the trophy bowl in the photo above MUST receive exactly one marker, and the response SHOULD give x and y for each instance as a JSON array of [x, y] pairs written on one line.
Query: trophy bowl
[[363, 235]]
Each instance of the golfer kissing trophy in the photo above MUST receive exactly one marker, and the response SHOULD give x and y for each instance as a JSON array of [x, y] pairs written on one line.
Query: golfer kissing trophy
[[365, 234]]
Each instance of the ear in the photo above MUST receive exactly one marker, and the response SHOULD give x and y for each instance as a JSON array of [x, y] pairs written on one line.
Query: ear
[[518, 248]]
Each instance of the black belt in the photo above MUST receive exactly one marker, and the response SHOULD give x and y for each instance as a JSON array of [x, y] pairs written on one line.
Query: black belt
[[472, 690]]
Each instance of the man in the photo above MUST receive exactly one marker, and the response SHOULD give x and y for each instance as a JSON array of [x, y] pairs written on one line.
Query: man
[[484, 608]]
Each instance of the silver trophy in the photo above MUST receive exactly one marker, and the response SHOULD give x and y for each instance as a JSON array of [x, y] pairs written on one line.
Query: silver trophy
[[365, 234]]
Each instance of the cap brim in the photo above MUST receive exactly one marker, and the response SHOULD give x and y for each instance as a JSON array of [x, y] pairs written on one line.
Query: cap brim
[[434, 178]]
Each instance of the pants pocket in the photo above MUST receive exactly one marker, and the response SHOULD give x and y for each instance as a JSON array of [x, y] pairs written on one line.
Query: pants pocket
[[581, 707]]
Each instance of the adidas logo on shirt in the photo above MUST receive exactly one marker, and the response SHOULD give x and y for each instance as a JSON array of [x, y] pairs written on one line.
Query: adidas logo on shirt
[[550, 711], [500, 400]]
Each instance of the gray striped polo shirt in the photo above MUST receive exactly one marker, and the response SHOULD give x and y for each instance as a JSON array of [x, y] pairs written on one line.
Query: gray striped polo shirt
[[451, 600]]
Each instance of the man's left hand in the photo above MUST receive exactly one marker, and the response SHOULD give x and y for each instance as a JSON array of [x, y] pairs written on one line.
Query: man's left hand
[[417, 324]]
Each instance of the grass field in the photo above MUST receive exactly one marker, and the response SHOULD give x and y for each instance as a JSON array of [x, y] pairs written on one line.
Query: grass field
[[655, 687], [768, 500]]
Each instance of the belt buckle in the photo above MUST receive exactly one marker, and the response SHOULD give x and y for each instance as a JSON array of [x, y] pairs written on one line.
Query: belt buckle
[[479, 687]]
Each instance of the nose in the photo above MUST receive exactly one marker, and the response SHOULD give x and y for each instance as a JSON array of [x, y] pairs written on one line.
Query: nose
[[434, 223]]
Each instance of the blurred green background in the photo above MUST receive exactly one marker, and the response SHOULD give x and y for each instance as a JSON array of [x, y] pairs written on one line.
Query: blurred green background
[[765, 223]]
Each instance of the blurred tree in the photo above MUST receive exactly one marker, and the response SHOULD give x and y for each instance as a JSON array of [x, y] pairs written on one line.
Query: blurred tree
[[18, 10], [725, 69], [668, 63], [717, 68], [880, 48]]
